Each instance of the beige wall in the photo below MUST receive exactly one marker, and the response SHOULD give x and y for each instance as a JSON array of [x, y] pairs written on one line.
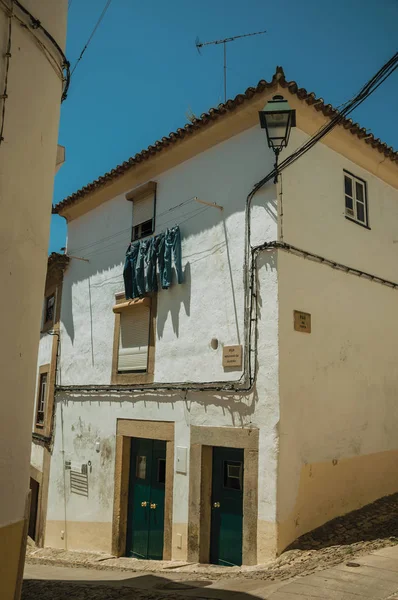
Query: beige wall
[[339, 424], [338, 388], [27, 166]]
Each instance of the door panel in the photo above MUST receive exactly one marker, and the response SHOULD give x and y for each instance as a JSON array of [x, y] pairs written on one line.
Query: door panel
[[156, 509], [227, 507], [139, 497], [34, 503], [145, 520]]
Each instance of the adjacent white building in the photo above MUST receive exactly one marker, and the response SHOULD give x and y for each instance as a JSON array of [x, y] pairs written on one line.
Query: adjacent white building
[[220, 419]]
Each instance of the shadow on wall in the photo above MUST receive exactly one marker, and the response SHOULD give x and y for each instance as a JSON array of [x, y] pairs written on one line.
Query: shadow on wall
[[127, 587], [172, 301], [106, 256], [375, 521], [240, 406]]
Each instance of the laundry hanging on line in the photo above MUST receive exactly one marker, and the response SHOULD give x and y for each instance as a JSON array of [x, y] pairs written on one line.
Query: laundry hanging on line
[[148, 258]]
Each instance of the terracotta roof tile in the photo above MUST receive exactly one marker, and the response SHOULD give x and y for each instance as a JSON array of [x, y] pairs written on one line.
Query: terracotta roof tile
[[214, 113]]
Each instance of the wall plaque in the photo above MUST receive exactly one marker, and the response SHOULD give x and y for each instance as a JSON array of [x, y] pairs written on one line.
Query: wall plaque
[[302, 321], [232, 356]]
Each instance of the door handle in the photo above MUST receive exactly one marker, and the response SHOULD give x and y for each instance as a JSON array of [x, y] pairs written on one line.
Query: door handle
[[153, 506], [216, 505], [144, 504]]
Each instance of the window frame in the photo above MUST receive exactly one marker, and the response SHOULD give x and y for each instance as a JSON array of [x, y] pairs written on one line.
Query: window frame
[[125, 312], [46, 308], [43, 428], [143, 191], [138, 228], [49, 324], [135, 377], [354, 218], [42, 399]]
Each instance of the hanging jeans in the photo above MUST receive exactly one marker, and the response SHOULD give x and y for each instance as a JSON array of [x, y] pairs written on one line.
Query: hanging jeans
[[172, 249], [129, 271], [143, 257], [151, 282], [140, 267]]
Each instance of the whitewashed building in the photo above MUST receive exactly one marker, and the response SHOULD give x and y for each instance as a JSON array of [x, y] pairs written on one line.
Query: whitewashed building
[[220, 419]]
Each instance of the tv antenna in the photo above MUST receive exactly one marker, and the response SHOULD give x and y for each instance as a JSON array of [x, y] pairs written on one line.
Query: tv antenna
[[200, 45]]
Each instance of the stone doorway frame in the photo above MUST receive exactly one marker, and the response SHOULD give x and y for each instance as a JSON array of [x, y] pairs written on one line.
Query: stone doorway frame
[[43, 479], [153, 430], [203, 439]]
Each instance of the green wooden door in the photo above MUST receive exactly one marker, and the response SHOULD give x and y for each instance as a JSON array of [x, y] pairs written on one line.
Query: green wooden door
[[145, 517], [227, 507]]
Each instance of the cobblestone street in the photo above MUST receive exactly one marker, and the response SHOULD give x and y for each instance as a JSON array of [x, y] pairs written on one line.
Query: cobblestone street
[[343, 541]]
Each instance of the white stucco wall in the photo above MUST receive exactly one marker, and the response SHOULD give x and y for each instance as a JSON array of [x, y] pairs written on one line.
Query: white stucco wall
[[208, 305], [339, 423]]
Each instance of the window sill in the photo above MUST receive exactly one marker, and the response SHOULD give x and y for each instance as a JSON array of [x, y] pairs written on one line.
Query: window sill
[[134, 378], [40, 430], [47, 327], [358, 223], [131, 303]]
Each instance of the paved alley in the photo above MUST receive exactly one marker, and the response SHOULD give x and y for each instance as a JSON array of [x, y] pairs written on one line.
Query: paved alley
[[373, 576]]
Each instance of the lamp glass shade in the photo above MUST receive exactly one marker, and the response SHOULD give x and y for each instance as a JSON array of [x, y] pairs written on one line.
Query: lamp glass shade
[[277, 118]]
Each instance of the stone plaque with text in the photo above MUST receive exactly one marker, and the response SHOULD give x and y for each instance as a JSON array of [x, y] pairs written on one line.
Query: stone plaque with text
[[232, 356], [302, 321]]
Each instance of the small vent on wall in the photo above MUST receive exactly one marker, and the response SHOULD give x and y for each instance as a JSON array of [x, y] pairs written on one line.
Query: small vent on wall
[[79, 481]]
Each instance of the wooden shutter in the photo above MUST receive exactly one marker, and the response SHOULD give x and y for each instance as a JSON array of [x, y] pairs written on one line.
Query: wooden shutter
[[134, 339], [143, 210]]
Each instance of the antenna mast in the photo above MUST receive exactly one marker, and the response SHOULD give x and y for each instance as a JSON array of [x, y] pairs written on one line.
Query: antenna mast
[[200, 45]]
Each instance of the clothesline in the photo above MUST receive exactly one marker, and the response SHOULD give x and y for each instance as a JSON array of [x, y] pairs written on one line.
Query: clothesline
[[117, 244], [148, 258], [157, 216]]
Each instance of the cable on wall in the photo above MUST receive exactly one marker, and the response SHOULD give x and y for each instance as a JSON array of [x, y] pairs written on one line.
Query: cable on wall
[[4, 95], [32, 25], [36, 24], [250, 269]]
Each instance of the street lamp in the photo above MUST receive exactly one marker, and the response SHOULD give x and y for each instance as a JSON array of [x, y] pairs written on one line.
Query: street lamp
[[277, 118]]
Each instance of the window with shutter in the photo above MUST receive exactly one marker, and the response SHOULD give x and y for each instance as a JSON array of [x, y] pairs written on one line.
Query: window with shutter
[[134, 340], [143, 213], [143, 200]]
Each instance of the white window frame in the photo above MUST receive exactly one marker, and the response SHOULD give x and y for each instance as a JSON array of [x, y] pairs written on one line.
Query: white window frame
[[352, 213], [42, 399]]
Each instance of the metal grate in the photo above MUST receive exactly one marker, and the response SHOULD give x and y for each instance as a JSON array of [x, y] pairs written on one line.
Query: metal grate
[[79, 482]]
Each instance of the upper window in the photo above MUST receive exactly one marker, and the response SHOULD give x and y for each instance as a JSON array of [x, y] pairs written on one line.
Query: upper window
[[41, 400], [356, 203], [143, 217], [49, 309], [143, 200], [134, 340]]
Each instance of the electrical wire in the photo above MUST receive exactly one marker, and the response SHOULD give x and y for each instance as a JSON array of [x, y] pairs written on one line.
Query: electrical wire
[[121, 231], [4, 96], [107, 5], [36, 24], [251, 304], [250, 294], [108, 249], [367, 90]]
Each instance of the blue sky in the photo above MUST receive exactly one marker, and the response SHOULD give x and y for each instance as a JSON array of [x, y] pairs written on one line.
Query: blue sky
[[142, 74]]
